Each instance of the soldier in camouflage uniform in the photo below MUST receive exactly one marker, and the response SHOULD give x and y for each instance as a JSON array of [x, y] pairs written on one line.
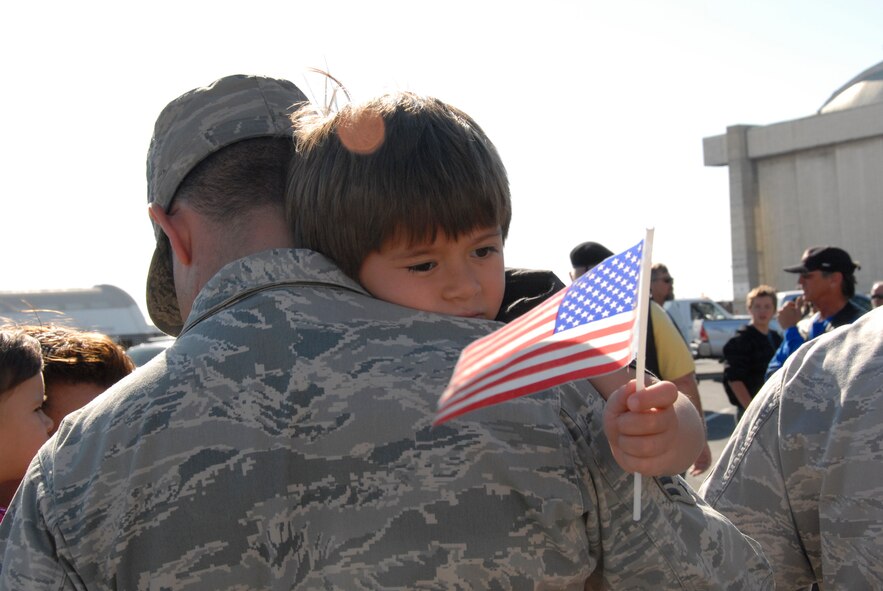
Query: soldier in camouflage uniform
[[284, 440], [803, 474]]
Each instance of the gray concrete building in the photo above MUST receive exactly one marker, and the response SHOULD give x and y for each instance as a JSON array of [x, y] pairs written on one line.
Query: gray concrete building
[[812, 181]]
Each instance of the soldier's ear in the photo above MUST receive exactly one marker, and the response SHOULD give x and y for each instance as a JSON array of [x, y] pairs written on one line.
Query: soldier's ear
[[177, 227]]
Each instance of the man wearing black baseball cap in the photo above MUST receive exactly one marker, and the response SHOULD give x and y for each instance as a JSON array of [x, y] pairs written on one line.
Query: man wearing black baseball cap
[[827, 277]]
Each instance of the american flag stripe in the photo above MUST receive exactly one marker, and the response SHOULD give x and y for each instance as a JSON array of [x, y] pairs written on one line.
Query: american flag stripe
[[530, 329], [532, 380], [605, 340], [531, 337], [536, 320], [583, 331]]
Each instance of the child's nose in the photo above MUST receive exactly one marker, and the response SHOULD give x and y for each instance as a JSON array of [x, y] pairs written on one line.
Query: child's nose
[[461, 283]]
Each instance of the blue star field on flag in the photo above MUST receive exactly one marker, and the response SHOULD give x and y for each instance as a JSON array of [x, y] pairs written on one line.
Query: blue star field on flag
[[607, 289]]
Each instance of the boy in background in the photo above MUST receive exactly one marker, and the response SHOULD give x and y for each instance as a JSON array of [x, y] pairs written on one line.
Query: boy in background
[[747, 354], [408, 196]]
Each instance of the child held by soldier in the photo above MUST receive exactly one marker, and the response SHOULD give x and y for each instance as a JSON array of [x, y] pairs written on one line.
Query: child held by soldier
[[408, 196]]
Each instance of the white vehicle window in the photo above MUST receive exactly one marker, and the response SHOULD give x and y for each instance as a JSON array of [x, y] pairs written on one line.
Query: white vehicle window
[[708, 311]]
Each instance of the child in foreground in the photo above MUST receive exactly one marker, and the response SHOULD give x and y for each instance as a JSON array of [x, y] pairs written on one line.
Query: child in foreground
[[409, 197]]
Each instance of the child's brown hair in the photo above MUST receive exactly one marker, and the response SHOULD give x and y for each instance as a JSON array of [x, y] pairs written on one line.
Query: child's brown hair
[[398, 166]]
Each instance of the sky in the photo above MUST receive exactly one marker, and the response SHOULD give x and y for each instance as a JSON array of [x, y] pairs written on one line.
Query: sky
[[598, 110]]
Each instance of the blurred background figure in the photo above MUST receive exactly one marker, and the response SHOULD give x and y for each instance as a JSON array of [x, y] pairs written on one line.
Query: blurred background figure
[[77, 367], [661, 284], [748, 353], [877, 294], [23, 425], [586, 255]]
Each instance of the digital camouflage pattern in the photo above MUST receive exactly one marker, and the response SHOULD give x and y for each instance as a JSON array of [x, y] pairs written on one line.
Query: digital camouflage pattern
[[803, 474], [285, 442]]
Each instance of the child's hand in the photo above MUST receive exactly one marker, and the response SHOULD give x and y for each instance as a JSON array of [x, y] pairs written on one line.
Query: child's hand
[[645, 432]]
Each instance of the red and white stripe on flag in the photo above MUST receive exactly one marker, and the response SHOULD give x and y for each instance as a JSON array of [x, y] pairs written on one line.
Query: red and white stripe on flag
[[587, 329]]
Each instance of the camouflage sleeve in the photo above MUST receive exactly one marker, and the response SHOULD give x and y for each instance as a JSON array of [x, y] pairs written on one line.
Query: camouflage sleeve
[[747, 485], [31, 556], [679, 542], [802, 473], [308, 460]]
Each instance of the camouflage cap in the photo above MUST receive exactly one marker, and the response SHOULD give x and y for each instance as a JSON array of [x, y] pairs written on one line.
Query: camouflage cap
[[190, 128]]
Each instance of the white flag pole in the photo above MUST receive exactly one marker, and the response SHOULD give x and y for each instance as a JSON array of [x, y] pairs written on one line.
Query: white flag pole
[[643, 312]]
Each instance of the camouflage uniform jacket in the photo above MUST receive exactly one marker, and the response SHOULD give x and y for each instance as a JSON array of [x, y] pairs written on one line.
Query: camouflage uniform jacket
[[803, 474], [284, 441]]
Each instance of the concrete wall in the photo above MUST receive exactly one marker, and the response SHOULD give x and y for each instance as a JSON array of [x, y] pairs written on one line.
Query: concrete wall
[[796, 184]]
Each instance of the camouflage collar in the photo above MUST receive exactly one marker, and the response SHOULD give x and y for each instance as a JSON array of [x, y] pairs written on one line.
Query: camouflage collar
[[266, 270]]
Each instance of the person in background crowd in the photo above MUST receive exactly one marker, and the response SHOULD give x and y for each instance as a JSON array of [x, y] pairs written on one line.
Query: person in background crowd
[[585, 256], [827, 277], [661, 284], [747, 354], [876, 294], [24, 427], [667, 355], [77, 366], [803, 472]]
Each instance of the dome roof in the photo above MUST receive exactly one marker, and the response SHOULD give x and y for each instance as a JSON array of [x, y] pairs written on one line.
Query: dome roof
[[864, 89]]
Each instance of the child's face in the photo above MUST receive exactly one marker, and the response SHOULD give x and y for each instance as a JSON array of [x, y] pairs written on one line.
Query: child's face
[[463, 277], [762, 310], [23, 427]]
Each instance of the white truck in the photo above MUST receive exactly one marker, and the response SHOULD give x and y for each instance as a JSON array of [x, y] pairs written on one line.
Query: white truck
[[704, 324]]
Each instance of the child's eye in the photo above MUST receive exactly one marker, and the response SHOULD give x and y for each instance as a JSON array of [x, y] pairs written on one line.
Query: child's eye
[[485, 251], [422, 267]]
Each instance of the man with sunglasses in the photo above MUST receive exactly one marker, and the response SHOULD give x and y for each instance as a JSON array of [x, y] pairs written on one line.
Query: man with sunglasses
[[661, 284], [827, 277]]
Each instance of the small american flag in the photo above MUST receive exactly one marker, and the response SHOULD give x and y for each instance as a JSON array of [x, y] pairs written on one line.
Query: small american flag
[[585, 330]]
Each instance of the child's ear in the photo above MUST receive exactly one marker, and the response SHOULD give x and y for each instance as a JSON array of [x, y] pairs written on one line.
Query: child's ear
[[177, 229]]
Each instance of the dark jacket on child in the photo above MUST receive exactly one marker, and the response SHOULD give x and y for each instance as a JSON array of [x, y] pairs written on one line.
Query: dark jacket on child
[[746, 357]]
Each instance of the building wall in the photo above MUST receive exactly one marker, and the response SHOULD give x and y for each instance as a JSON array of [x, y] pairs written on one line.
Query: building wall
[[831, 195], [803, 183]]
